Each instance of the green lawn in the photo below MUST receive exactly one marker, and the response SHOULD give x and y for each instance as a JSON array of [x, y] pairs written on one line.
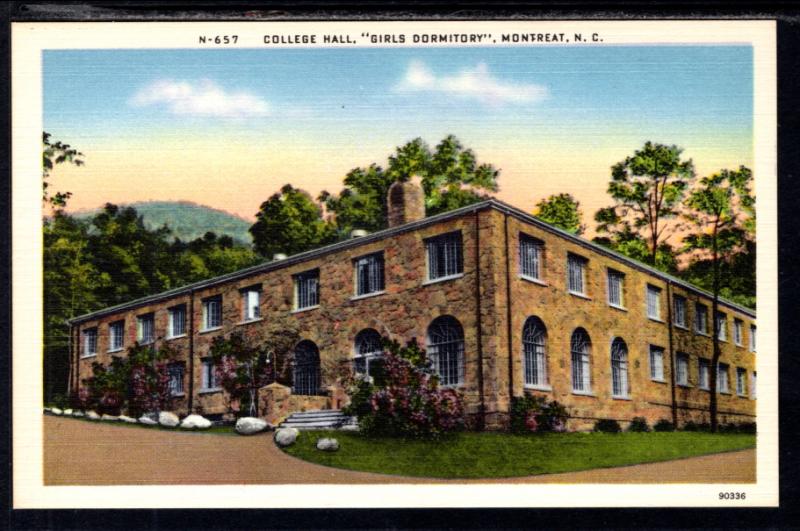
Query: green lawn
[[497, 455]]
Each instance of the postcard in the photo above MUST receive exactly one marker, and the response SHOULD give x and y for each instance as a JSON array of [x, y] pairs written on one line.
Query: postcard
[[395, 264]]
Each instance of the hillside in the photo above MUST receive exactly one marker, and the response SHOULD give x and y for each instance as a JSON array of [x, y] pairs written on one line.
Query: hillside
[[187, 220]]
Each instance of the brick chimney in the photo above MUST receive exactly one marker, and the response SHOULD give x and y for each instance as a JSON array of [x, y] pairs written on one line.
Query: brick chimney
[[406, 202]]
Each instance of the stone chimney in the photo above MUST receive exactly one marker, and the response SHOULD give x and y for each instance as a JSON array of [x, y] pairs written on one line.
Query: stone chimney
[[406, 202]]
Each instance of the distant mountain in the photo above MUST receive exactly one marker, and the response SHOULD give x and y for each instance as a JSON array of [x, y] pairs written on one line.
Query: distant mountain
[[187, 220]]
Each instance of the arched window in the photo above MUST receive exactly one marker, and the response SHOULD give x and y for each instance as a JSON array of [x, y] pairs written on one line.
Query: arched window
[[619, 368], [306, 369], [446, 349], [534, 336], [368, 350], [581, 346]]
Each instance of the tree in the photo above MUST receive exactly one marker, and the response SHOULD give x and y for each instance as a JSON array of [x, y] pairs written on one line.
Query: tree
[[722, 214], [562, 211], [647, 189], [290, 222], [54, 153]]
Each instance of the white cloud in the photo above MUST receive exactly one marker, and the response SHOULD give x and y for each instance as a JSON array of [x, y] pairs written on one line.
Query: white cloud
[[205, 98], [476, 83]]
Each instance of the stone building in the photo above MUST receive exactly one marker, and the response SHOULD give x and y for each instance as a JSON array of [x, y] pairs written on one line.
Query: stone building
[[505, 304]]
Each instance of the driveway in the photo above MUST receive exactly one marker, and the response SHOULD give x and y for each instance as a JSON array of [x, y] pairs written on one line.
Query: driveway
[[79, 452]]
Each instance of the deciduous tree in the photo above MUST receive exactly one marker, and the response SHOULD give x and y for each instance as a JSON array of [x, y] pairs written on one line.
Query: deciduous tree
[[562, 211]]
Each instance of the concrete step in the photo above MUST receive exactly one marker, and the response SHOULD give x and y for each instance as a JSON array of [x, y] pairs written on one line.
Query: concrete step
[[324, 419], [319, 413]]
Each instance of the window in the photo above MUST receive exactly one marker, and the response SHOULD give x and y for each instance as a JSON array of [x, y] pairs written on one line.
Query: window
[[369, 351], [615, 288], [738, 331], [530, 257], [653, 302], [682, 369], [175, 371], [619, 369], [700, 319], [145, 329], [679, 311], [656, 363], [306, 377], [90, 342], [741, 381], [177, 321], [534, 338], [116, 336], [444, 256], [722, 326], [753, 386], [446, 349], [306, 290], [752, 338], [703, 373], [576, 266], [208, 376], [212, 312], [369, 274], [722, 378], [250, 304], [580, 347]]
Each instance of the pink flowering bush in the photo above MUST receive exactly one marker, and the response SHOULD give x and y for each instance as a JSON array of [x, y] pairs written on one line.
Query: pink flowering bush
[[531, 413]]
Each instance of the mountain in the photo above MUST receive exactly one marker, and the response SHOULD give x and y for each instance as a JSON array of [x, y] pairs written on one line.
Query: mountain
[[187, 220]]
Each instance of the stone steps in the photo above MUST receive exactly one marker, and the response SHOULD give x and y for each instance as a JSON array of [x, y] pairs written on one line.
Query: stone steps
[[330, 419]]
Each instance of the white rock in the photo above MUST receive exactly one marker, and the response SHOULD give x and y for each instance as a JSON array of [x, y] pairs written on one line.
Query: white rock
[[112, 418], [147, 421], [68, 412], [327, 445], [195, 421], [168, 419], [56, 411], [92, 415], [126, 418], [77, 414], [48, 409], [349, 427], [286, 436], [250, 425]]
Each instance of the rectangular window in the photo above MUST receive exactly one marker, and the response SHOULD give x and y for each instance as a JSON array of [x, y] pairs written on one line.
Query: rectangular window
[[145, 329], [753, 386], [306, 290], [616, 282], [722, 378], [444, 256], [116, 336], [722, 326], [653, 302], [682, 369], [576, 266], [679, 311], [177, 321], [700, 319], [175, 371], [90, 342], [738, 331], [703, 373], [250, 304], [741, 381], [369, 274], [752, 338], [209, 377], [530, 257], [656, 363], [212, 312]]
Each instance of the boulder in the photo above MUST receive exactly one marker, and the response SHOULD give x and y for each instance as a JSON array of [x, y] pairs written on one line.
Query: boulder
[[129, 420], [168, 419], [327, 445], [147, 421], [112, 418], [68, 412], [92, 415], [77, 414], [48, 409], [250, 425], [286, 436], [195, 422], [56, 411]]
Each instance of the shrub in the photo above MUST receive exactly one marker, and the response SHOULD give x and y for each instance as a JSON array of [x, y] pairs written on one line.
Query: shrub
[[607, 426], [663, 425], [639, 424], [748, 427], [690, 426], [535, 414]]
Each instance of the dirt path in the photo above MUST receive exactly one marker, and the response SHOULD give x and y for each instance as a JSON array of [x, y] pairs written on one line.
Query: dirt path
[[78, 452]]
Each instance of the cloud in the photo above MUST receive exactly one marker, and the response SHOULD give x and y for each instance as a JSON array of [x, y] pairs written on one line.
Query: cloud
[[204, 98], [476, 83]]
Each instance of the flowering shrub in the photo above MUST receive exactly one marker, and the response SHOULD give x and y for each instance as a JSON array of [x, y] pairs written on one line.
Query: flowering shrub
[[531, 413], [406, 401]]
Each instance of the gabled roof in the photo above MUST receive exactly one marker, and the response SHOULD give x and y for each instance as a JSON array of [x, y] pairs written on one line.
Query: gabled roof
[[385, 233]]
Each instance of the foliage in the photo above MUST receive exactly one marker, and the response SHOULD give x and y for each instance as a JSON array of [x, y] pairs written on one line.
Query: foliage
[[607, 426], [54, 153], [737, 275], [562, 211], [634, 246], [647, 189], [663, 425], [530, 413], [639, 424]]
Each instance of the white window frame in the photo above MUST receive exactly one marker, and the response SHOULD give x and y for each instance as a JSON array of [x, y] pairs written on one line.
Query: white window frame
[[176, 385], [141, 321], [615, 277], [116, 336], [657, 366], [741, 381], [704, 374], [576, 273], [722, 370], [722, 326], [208, 375], [448, 248], [682, 369], [89, 342], [306, 290], [753, 386], [679, 317], [738, 332], [531, 253], [173, 312], [251, 304], [697, 313], [212, 307], [581, 364], [534, 353], [653, 304], [752, 338], [369, 275], [367, 350], [446, 349], [620, 381]]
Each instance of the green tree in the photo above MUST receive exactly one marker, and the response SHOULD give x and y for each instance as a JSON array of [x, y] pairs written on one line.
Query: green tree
[[562, 211], [647, 189], [290, 222], [722, 213], [54, 153]]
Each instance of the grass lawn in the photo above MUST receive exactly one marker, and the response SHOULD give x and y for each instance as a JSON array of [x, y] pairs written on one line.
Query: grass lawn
[[497, 455]]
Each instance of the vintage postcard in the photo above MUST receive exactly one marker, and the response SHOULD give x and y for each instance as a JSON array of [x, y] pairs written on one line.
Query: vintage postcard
[[395, 264]]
